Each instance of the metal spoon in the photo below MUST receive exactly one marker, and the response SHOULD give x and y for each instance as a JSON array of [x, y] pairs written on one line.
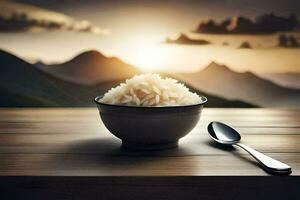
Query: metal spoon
[[224, 134]]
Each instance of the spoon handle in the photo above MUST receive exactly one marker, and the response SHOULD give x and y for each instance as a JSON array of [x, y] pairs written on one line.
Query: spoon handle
[[267, 162]]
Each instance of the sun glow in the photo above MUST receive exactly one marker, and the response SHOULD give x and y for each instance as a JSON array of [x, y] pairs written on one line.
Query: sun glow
[[148, 57]]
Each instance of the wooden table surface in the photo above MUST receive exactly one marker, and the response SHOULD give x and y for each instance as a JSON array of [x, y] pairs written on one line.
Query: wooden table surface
[[70, 144]]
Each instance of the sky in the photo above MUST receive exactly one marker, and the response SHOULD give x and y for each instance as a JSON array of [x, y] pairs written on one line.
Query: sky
[[172, 14], [133, 31]]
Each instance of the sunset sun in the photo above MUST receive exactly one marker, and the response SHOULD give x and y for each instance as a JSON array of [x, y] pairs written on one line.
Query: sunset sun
[[148, 57]]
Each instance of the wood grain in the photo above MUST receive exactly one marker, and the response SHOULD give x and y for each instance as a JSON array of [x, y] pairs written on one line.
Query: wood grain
[[105, 143], [136, 165], [48, 148]]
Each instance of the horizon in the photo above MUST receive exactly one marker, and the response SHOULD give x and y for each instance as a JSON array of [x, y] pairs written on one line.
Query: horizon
[[34, 62]]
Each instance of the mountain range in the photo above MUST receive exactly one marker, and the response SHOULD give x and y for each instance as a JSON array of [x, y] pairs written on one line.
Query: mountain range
[[23, 84], [220, 80]]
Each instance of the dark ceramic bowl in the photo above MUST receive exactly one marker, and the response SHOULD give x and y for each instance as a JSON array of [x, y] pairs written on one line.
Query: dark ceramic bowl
[[149, 127]]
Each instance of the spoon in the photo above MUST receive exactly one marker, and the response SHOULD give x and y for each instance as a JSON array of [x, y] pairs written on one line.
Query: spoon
[[224, 134]]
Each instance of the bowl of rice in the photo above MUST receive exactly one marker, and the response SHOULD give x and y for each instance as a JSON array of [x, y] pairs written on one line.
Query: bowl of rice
[[149, 112]]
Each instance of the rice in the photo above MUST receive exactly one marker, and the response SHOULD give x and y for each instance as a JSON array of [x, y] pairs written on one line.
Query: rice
[[151, 90]]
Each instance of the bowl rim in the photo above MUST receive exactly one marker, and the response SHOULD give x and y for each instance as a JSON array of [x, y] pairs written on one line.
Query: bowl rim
[[97, 98]]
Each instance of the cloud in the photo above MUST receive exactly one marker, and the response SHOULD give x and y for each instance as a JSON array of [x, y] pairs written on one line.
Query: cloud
[[186, 40], [17, 17], [266, 23]]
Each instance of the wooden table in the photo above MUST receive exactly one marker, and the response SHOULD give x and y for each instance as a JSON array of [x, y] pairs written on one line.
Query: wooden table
[[68, 154]]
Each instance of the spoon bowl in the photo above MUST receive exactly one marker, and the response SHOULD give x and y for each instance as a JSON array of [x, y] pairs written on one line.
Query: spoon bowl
[[223, 134]]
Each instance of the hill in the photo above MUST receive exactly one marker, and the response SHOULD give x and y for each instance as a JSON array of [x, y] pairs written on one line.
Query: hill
[[26, 85], [220, 80], [91, 67], [290, 79]]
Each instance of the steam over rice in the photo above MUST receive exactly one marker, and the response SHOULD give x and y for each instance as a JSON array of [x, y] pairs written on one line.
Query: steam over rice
[[150, 90]]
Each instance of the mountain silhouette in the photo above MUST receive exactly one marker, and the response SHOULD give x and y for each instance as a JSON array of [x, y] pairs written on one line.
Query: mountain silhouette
[[91, 67], [245, 45], [24, 85], [220, 80], [288, 79]]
